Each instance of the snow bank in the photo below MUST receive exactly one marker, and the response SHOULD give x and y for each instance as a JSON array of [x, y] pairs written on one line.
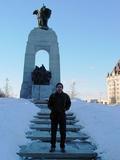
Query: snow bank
[[101, 122], [15, 115]]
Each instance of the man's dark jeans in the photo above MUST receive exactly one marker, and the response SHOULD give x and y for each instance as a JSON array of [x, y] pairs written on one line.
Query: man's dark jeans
[[58, 119]]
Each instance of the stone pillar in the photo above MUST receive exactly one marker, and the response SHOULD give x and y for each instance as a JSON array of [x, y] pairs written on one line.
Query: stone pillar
[[40, 40]]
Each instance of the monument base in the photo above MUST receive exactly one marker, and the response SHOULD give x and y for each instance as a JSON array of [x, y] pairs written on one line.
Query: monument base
[[41, 92]]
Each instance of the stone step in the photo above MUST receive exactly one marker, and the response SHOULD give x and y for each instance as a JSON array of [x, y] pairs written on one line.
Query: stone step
[[57, 159], [47, 112], [48, 121], [39, 102], [62, 159], [40, 150], [45, 127], [46, 136], [48, 117], [42, 106]]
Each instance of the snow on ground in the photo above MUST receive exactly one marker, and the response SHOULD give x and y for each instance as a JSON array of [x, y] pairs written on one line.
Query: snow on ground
[[101, 122], [15, 116]]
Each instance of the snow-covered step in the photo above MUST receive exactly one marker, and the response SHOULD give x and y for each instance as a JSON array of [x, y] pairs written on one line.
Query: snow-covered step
[[40, 150], [47, 112], [45, 127], [46, 136], [42, 106], [40, 101], [48, 117], [48, 121]]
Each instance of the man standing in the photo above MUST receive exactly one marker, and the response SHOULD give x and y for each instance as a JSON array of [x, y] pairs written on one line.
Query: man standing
[[58, 103]]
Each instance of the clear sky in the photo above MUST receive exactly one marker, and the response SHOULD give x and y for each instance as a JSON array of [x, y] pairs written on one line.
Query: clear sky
[[88, 34]]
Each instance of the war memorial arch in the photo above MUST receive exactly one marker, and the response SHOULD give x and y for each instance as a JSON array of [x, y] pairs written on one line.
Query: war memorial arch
[[41, 38]]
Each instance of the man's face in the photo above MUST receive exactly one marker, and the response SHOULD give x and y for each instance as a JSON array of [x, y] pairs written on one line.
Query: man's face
[[59, 88]]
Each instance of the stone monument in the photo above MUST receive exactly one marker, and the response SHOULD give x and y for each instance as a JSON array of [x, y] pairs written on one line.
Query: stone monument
[[42, 16], [41, 38]]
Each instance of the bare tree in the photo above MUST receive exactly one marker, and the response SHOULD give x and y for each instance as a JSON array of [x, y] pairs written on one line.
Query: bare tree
[[72, 91], [7, 88], [2, 94]]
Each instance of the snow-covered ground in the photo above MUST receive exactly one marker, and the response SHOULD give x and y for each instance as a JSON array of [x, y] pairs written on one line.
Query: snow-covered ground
[[101, 122], [15, 116]]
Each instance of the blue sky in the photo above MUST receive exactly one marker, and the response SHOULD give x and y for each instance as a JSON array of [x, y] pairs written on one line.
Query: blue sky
[[88, 34]]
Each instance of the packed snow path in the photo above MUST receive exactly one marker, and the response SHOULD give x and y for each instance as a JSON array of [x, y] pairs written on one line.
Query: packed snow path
[[77, 146]]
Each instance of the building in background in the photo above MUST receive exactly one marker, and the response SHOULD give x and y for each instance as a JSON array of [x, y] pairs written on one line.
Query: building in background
[[113, 85]]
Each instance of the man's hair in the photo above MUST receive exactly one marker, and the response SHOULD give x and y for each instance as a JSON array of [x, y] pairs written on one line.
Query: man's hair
[[59, 84]]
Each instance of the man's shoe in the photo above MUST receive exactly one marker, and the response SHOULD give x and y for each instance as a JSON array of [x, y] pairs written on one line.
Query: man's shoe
[[52, 149], [63, 150]]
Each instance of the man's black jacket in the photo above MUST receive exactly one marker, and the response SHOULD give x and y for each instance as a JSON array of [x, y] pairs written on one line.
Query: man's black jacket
[[59, 102]]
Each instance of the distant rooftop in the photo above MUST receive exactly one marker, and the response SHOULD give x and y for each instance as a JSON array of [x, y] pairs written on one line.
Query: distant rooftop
[[116, 70]]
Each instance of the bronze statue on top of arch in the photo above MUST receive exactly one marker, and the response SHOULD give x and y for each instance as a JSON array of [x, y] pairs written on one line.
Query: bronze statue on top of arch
[[40, 76], [43, 14]]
